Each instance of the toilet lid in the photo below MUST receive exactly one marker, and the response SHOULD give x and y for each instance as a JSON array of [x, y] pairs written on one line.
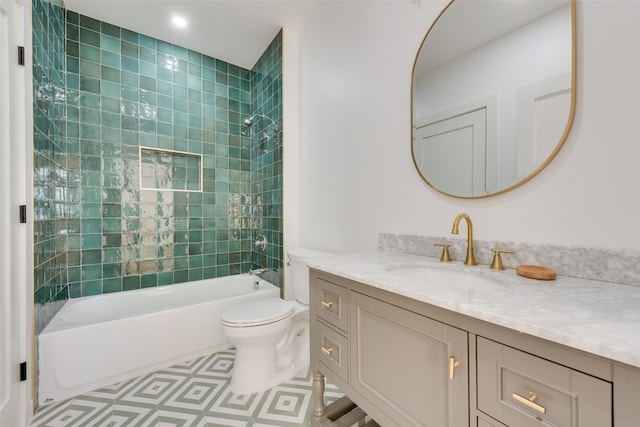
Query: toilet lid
[[257, 312]]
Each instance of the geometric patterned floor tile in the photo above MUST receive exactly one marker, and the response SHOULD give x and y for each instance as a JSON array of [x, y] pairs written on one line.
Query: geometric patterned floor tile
[[191, 394]]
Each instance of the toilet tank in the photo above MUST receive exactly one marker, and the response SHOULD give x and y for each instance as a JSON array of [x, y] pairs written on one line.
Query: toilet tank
[[300, 272]]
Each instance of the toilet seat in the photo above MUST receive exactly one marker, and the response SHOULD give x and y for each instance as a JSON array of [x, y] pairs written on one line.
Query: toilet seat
[[257, 312]]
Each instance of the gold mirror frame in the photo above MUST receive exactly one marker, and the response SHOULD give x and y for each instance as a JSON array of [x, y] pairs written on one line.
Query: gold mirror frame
[[558, 145]]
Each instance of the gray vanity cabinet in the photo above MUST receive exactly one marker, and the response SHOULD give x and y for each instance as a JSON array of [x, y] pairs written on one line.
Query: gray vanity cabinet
[[408, 363], [413, 368]]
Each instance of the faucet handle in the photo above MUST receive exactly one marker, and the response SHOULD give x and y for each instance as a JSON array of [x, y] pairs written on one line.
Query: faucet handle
[[496, 264], [445, 252]]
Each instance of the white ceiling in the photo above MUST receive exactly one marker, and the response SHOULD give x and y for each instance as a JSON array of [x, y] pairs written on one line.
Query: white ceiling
[[238, 31], [235, 31]]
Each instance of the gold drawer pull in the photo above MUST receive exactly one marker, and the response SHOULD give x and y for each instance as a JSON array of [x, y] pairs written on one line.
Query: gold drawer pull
[[327, 304], [328, 351], [530, 402], [452, 366]]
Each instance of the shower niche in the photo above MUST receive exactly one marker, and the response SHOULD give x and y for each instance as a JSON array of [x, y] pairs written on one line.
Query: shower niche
[[170, 170]]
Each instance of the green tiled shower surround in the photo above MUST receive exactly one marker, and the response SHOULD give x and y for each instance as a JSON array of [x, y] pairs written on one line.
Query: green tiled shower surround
[[49, 160], [124, 94], [266, 155]]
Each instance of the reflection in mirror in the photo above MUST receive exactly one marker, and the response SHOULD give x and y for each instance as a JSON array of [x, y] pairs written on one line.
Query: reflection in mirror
[[493, 93]]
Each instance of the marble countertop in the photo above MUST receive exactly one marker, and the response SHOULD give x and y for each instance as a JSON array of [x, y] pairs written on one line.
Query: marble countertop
[[597, 317]]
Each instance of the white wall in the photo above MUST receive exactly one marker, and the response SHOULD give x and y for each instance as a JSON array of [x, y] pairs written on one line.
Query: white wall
[[355, 116], [357, 176]]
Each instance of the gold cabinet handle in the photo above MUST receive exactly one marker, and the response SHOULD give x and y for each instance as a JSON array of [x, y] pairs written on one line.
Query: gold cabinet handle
[[530, 402], [328, 351], [453, 364], [327, 304]]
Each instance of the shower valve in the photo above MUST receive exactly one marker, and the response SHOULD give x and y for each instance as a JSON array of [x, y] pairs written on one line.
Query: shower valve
[[261, 243]]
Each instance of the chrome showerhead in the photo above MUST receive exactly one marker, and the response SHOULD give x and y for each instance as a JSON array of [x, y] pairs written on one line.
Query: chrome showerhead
[[248, 122]]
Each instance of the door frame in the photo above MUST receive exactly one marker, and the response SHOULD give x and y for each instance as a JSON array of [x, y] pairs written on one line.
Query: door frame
[[15, 190]]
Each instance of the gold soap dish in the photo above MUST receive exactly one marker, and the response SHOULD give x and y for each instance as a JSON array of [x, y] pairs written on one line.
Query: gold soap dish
[[536, 272]]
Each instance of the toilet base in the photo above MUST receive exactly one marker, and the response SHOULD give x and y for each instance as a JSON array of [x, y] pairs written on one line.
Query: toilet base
[[251, 376], [260, 364]]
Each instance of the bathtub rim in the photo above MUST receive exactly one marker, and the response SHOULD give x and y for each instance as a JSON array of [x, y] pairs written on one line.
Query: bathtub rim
[[57, 325]]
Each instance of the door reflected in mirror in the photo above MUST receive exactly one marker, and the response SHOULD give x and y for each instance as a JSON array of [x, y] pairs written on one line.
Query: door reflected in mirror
[[493, 94]]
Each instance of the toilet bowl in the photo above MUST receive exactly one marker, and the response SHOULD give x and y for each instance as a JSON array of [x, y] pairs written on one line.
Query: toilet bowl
[[271, 336]]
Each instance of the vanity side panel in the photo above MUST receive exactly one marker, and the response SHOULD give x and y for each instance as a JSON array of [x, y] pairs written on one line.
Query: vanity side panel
[[314, 332]]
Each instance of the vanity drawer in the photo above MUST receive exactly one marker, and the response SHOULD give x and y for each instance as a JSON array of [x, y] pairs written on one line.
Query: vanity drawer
[[332, 304], [520, 389], [333, 351]]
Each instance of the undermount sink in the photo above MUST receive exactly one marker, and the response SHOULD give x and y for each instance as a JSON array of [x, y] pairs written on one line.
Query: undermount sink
[[441, 276]]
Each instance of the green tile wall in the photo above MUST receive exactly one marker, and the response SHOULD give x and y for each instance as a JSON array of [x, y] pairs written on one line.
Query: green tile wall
[[266, 163], [128, 90], [97, 231], [49, 160]]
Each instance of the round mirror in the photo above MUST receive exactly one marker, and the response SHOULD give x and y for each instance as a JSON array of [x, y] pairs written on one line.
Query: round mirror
[[493, 94]]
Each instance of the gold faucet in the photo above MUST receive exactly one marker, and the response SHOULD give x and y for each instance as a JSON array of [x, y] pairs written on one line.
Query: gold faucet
[[471, 259]]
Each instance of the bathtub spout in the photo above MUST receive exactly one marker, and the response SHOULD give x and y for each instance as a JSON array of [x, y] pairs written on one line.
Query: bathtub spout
[[259, 272], [267, 274]]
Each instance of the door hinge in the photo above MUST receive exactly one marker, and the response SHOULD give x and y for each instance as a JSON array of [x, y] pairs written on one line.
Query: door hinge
[[23, 214], [20, 55], [23, 371]]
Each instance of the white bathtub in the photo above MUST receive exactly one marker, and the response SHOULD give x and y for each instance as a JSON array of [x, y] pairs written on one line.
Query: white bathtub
[[96, 341]]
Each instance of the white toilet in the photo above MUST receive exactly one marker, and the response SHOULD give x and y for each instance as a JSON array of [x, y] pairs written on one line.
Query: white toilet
[[271, 336]]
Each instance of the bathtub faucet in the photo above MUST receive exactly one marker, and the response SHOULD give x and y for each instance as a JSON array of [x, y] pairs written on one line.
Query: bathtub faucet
[[259, 272], [262, 273]]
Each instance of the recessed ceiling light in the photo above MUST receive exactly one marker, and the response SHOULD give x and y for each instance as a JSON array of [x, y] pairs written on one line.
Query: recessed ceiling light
[[179, 21]]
